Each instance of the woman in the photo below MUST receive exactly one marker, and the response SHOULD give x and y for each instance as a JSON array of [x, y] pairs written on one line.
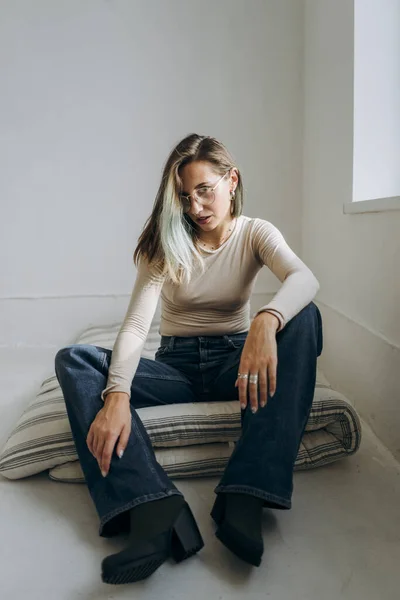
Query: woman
[[202, 255]]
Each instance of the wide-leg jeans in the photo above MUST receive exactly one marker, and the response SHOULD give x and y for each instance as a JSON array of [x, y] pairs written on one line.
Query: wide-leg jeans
[[195, 369]]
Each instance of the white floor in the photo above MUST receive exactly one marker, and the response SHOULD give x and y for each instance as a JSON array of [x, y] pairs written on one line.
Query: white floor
[[340, 540]]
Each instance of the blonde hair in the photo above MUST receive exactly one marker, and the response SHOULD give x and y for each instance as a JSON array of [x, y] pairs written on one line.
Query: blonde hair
[[167, 241]]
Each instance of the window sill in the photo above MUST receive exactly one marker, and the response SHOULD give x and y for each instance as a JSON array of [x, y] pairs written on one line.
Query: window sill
[[375, 205]]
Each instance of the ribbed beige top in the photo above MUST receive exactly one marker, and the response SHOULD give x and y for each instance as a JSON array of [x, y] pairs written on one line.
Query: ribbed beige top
[[216, 302]]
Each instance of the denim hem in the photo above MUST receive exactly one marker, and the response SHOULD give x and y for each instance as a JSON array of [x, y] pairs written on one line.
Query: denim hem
[[135, 502], [247, 489]]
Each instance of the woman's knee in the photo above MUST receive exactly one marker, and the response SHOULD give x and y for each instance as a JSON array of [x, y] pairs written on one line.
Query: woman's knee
[[62, 356], [67, 355], [308, 314], [308, 318]]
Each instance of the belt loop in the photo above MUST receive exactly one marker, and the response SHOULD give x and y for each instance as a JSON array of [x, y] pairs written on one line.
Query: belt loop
[[172, 342]]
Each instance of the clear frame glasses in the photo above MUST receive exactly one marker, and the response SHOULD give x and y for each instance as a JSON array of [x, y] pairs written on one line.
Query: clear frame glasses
[[204, 195]]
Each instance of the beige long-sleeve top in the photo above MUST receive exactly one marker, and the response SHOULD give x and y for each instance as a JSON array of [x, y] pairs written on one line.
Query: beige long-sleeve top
[[216, 302]]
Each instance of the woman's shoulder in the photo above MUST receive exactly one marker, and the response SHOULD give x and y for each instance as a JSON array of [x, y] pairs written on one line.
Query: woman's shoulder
[[261, 234], [256, 224], [150, 271]]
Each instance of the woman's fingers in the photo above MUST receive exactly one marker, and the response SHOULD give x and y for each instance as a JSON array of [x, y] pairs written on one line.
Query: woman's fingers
[[107, 453], [94, 444], [242, 385], [123, 439], [99, 448], [262, 384], [89, 439], [257, 392], [253, 391], [272, 376], [112, 422]]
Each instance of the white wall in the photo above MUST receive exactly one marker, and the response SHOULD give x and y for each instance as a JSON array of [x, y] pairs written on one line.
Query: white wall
[[94, 96], [356, 256], [376, 99]]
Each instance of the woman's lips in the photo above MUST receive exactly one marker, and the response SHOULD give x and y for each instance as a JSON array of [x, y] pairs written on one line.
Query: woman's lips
[[204, 220]]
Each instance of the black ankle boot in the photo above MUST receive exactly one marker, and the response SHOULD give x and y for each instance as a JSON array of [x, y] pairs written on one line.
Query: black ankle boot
[[149, 519], [159, 529], [238, 517]]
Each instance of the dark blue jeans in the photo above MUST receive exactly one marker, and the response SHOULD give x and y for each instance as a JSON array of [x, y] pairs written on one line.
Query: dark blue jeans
[[195, 369]]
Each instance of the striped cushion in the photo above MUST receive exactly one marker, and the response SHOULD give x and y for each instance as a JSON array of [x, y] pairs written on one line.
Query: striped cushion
[[333, 431], [190, 440]]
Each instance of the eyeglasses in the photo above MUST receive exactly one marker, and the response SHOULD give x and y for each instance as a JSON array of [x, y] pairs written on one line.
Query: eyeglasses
[[204, 195]]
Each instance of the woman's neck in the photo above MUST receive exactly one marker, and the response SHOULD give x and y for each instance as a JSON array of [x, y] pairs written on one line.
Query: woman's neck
[[219, 235]]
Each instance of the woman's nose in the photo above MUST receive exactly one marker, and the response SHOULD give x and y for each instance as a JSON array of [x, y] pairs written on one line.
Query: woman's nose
[[195, 206]]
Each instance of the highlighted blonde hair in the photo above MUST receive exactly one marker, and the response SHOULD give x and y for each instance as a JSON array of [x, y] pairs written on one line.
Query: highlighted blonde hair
[[168, 239]]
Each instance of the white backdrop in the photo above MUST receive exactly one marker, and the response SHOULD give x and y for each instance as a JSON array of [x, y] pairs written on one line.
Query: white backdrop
[[94, 96]]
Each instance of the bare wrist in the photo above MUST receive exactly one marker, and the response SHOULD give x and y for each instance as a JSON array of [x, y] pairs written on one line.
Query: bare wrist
[[270, 319], [116, 397]]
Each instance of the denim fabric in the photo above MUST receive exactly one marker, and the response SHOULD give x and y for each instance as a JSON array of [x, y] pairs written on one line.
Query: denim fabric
[[195, 369]]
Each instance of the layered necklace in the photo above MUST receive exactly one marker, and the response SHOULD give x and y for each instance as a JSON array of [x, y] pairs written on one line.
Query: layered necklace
[[226, 236]]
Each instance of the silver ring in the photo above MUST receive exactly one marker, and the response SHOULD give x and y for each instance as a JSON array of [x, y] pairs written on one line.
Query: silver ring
[[243, 375], [253, 378]]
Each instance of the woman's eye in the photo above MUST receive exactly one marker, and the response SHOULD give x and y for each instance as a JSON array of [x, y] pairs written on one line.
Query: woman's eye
[[203, 191]]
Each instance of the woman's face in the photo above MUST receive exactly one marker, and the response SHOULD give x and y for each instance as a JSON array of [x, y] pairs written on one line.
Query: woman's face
[[200, 174]]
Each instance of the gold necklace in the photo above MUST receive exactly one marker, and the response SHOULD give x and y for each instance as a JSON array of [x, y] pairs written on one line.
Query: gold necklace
[[232, 227]]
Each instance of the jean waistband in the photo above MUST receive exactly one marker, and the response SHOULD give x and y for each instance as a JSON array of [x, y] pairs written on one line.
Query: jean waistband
[[195, 341]]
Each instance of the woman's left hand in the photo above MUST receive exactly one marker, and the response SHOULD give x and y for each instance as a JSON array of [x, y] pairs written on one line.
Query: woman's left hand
[[259, 357]]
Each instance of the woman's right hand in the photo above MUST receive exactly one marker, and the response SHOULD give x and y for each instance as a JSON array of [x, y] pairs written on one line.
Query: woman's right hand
[[113, 421]]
